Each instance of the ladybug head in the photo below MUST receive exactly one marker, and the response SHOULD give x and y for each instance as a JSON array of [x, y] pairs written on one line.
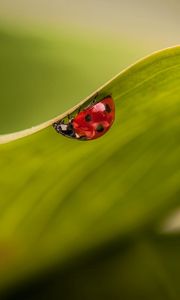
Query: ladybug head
[[65, 129]]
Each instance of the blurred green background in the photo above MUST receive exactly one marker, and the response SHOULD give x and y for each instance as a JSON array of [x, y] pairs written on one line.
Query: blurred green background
[[52, 55], [151, 23]]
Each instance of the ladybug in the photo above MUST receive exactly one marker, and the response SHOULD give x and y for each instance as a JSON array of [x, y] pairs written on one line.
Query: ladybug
[[90, 123]]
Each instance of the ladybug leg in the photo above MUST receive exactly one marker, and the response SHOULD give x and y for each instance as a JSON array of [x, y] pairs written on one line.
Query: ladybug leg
[[93, 101], [79, 109], [95, 98], [69, 118], [97, 94]]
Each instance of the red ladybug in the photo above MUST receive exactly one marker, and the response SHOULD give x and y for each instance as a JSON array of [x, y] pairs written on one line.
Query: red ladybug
[[90, 123]]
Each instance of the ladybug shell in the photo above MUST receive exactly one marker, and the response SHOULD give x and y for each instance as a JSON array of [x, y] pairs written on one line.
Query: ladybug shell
[[95, 121]]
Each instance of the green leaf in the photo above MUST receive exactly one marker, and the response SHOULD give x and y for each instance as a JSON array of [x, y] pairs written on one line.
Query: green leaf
[[62, 199]]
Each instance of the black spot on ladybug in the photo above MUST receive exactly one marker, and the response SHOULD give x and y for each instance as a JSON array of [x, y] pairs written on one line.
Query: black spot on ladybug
[[88, 118], [107, 108], [100, 128]]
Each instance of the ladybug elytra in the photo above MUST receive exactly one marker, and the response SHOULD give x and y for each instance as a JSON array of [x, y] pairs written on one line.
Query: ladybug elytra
[[90, 123]]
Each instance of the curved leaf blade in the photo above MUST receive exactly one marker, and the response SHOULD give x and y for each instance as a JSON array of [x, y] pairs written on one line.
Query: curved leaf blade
[[66, 198]]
